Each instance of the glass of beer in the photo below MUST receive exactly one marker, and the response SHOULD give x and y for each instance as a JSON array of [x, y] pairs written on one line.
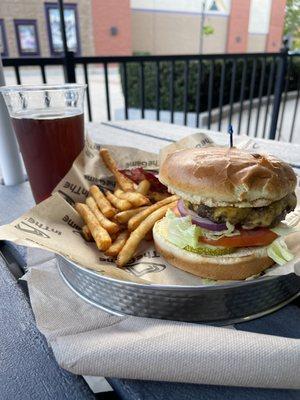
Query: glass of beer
[[49, 125]]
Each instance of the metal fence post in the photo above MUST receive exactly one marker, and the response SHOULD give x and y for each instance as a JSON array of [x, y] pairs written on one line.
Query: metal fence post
[[69, 67], [279, 85]]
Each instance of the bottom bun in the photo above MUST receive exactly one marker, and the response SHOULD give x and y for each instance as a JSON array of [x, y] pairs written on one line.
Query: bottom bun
[[239, 265]]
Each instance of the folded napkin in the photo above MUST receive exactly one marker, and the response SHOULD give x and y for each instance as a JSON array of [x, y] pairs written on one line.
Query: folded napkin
[[88, 341]]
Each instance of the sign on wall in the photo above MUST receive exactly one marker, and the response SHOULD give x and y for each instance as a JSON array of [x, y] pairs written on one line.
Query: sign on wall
[[259, 18]]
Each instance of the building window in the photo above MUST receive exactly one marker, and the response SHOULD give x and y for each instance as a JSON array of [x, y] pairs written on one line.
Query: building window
[[54, 28], [27, 37], [3, 41]]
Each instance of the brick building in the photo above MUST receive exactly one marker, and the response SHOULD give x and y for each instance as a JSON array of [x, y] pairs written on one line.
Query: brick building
[[173, 26], [120, 27], [94, 27]]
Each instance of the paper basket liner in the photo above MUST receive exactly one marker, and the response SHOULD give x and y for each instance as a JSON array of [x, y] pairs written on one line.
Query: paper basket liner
[[54, 224]]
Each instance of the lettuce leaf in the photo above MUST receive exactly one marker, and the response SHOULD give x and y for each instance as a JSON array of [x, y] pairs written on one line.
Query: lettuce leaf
[[184, 234], [282, 229], [215, 235], [279, 251], [181, 231]]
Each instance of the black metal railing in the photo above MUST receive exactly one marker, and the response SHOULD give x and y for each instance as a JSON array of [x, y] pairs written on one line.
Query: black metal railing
[[251, 89]]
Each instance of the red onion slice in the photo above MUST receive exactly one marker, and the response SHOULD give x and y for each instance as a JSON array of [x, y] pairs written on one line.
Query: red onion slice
[[197, 220]]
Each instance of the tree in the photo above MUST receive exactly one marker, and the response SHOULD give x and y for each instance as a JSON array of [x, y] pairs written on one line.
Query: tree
[[292, 22], [208, 30]]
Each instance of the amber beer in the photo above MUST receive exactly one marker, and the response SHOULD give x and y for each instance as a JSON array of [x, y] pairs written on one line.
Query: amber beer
[[49, 126], [49, 145]]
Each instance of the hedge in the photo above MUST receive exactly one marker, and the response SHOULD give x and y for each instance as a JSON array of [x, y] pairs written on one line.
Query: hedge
[[133, 83]]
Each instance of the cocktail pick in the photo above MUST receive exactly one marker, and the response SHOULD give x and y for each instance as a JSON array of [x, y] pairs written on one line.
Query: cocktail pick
[[230, 131]]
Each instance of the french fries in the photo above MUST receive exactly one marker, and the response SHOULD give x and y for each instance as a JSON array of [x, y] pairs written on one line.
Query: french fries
[[124, 216], [139, 233], [157, 196], [114, 236], [117, 188], [110, 226], [125, 183], [143, 187], [86, 233], [117, 245], [120, 204], [136, 199], [118, 221], [104, 205], [134, 222], [100, 235]]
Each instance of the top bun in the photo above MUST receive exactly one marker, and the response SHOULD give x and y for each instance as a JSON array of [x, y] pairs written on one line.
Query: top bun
[[219, 176]]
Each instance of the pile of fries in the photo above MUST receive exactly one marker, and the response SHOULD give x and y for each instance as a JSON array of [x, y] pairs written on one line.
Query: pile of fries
[[119, 221]]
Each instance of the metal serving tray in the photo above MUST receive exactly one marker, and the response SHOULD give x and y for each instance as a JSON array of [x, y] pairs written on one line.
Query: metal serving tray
[[222, 304]]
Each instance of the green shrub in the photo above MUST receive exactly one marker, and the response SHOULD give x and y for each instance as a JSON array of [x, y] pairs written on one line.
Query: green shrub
[[134, 90]]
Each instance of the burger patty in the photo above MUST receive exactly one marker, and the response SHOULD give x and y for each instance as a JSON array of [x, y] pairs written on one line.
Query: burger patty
[[251, 217]]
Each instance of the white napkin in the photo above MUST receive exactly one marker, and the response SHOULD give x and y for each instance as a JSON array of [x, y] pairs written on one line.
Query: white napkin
[[88, 341]]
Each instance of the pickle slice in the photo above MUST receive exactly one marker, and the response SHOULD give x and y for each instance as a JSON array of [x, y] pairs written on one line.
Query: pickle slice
[[210, 250]]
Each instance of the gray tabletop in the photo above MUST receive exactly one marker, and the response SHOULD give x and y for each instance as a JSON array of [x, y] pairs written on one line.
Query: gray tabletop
[[31, 371]]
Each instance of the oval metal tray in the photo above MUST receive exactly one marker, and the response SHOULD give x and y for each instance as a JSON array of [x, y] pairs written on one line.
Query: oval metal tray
[[222, 304]]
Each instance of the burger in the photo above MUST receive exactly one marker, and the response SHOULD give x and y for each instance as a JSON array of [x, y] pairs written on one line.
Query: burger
[[227, 223]]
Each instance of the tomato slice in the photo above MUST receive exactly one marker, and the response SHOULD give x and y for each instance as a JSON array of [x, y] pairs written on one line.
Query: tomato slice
[[247, 238]]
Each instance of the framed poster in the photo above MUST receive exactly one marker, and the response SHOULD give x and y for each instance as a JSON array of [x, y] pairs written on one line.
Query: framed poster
[[54, 28], [27, 37]]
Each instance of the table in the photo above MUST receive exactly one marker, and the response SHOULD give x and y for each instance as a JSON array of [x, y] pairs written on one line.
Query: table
[[31, 371]]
